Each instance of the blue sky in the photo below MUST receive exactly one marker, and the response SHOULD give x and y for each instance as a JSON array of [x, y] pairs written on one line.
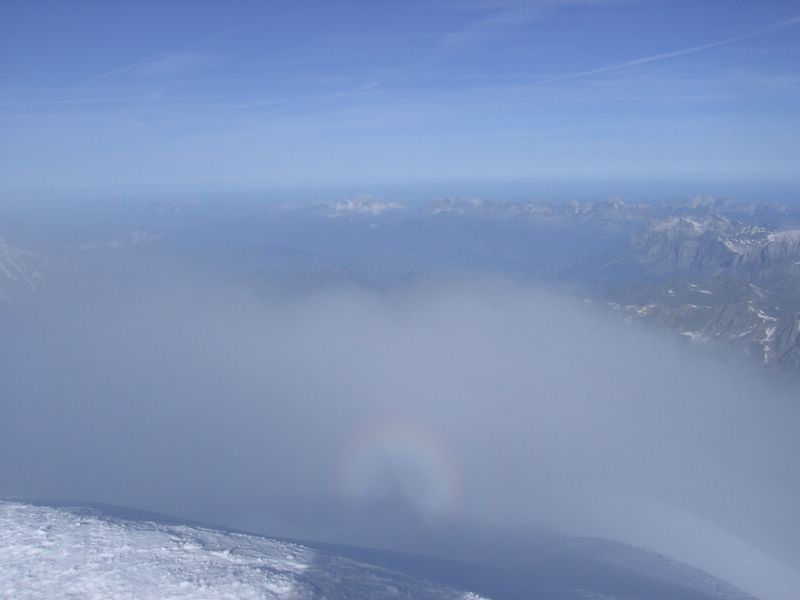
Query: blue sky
[[249, 94]]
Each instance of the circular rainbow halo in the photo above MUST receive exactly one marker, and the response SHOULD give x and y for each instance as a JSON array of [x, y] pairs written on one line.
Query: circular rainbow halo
[[402, 459]]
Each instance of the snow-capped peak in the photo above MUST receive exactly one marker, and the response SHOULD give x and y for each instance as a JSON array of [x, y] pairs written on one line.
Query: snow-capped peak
[[364, 205]]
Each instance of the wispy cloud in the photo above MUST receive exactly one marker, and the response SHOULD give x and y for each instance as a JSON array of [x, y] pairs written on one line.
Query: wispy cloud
[[671, 54], [156, 63], [499, 18], [489, 27], [506, 15]]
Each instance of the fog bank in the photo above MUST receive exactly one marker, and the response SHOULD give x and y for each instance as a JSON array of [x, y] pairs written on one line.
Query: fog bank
[[399, 418]]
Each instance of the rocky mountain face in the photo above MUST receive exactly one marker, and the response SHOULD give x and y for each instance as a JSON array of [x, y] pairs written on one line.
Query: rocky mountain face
[[713, 271], [719, 280]]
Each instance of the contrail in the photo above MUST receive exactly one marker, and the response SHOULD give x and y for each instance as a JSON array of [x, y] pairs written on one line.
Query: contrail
[[666, 55]]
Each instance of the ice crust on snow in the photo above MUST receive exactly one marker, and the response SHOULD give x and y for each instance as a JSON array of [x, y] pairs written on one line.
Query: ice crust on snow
[[48, 553]]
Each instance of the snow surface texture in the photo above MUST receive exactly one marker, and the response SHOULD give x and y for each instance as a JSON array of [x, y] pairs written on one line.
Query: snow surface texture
[[79, 553]]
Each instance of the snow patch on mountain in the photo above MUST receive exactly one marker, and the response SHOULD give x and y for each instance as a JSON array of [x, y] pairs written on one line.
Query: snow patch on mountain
[[364, 205], [18, 268]]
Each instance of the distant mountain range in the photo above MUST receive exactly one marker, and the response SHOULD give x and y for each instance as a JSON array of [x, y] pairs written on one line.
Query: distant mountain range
[[716, 279], [714, 271]]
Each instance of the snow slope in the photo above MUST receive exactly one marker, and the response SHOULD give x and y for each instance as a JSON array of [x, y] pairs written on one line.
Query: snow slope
[[53, 553]]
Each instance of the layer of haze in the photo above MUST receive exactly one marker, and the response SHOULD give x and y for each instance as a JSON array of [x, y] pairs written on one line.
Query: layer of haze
[[410, 420]]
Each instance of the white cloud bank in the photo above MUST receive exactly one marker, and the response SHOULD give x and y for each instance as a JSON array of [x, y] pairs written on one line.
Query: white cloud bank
[[399, 419]]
